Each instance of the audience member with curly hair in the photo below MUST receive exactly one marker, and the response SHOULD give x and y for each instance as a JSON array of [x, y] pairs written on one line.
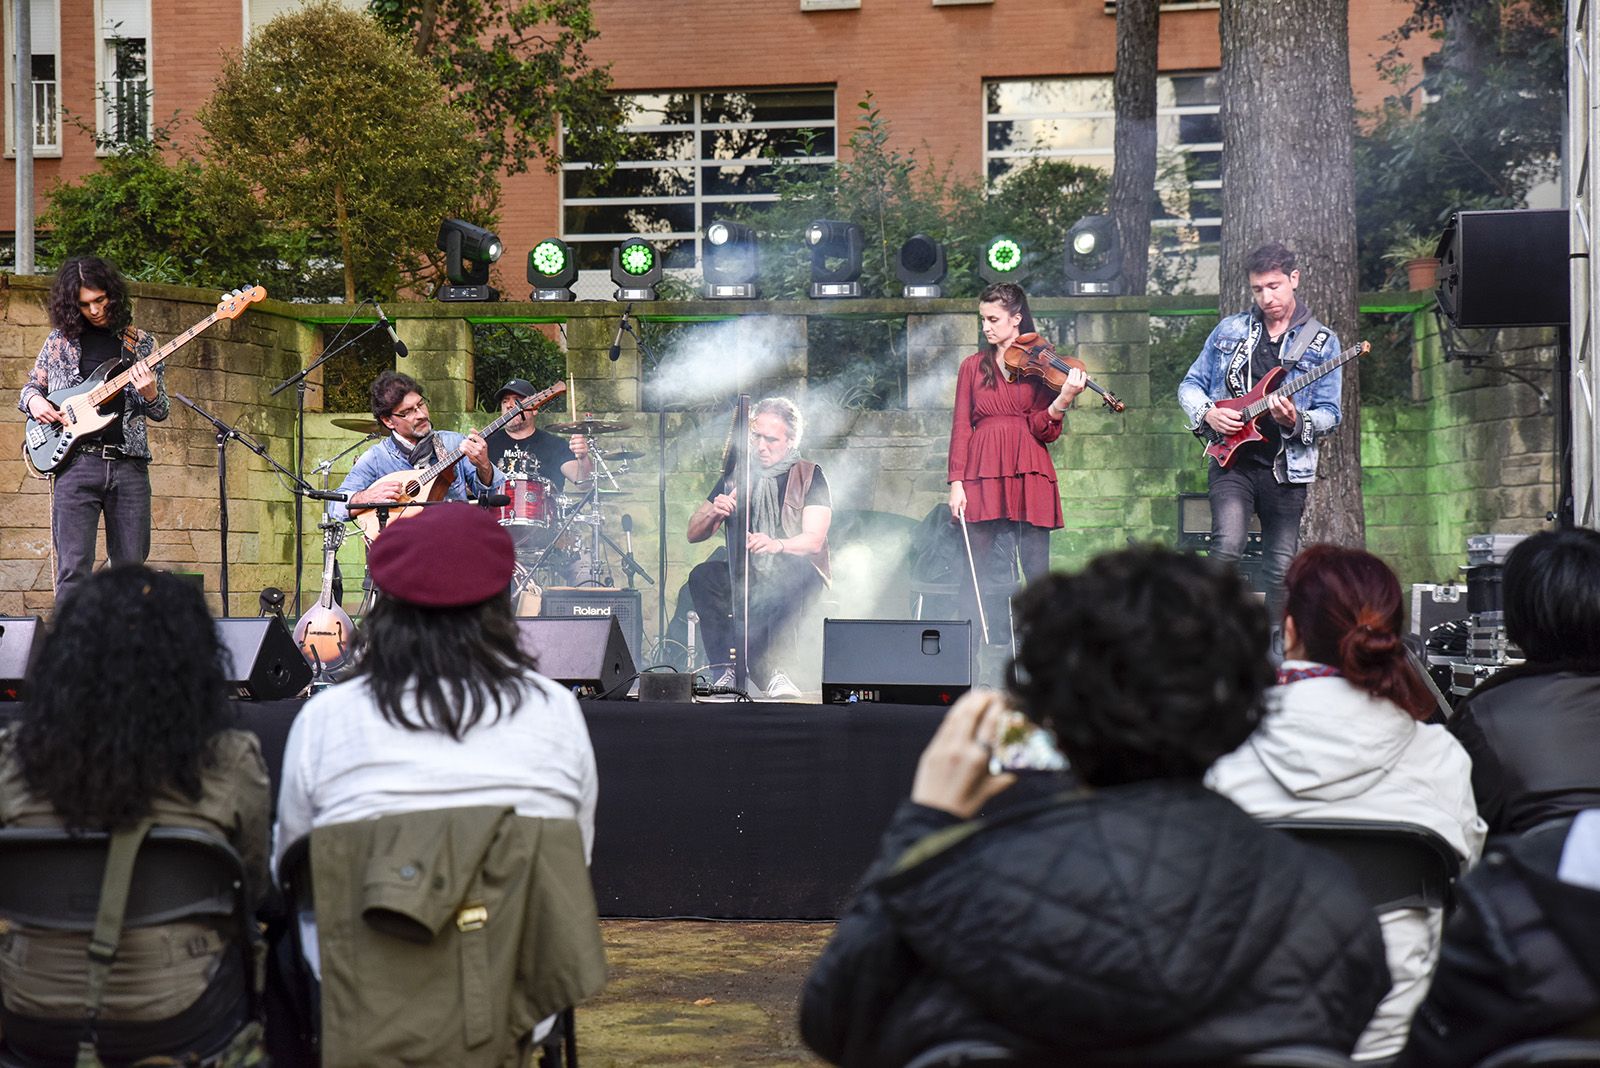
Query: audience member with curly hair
[[126, 716], [1523, 725], [1146, 918], [1345, 739]]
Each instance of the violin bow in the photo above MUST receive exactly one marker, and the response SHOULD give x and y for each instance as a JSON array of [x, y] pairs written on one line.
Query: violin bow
[[972, 567]]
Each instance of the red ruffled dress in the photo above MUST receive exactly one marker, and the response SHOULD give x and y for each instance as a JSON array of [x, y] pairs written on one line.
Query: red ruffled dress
[[997, 447]]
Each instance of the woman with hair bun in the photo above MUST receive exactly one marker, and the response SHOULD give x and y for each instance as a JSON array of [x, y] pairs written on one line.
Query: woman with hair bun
[[1000, 473], [1345, 738]]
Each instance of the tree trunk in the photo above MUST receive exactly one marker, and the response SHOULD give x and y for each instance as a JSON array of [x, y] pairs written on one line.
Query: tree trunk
[[1133, 177], [341, 215], [1287, 120]]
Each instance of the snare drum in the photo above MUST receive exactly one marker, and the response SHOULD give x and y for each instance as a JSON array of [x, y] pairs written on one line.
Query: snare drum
[[533, 503]]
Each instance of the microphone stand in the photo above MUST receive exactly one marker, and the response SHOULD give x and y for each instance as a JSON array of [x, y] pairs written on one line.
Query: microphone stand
[[225, 434], [298, 381], [629, 564]]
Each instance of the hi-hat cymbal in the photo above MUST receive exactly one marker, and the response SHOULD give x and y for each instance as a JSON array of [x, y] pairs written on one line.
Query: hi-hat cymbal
[[360, 426], [586, 427], [626, 454]]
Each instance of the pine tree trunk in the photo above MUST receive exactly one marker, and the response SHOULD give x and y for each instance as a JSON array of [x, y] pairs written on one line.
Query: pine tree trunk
[[1287, 114], [1134, 174]]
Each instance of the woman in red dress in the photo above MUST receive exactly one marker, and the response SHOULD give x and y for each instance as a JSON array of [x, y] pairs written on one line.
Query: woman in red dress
[[1001, 476]]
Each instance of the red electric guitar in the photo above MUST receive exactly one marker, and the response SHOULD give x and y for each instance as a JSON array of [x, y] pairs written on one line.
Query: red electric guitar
[[1253, 405]]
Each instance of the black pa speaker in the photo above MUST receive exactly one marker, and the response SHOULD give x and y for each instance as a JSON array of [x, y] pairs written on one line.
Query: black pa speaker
[[598, 602], [267, 665], [19, 643], [1505, 268], [587, 654], [896, 661]]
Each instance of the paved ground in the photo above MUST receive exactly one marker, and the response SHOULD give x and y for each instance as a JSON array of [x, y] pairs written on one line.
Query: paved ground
[[691, 992]]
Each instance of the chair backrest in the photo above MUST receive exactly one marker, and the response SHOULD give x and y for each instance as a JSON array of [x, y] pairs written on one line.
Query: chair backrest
[[50, 878], [1396, 865], [960, 1052], [1571, 1052]]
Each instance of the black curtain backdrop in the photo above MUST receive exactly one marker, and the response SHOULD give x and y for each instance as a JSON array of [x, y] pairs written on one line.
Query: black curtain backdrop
[[733, 811]]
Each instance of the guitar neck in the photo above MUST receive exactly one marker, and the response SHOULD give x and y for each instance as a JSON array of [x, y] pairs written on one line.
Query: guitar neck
[[1295, 385], [533, 403], [112, 386]]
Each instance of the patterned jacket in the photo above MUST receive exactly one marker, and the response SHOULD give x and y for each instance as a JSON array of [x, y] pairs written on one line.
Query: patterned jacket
[[57, 368]]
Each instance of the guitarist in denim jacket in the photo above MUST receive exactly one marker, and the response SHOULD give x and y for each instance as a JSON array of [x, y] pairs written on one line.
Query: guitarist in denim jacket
[[1266, 477]]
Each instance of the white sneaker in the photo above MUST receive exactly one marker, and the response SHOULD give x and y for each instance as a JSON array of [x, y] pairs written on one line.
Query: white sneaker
[[781, 689], [725, 681]]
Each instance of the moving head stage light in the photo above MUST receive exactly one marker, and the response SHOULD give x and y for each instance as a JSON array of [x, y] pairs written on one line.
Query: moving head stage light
[[635, 269], [1004, 259], [835, 258], [462, 241], [551, 270], [921, 267], [730, 261], [1093, 258]]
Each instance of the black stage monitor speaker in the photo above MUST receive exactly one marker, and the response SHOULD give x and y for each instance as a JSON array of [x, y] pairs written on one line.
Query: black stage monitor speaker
[[896, 661], [1505, 268], [598, 602], [19, 642], [267, 665], [587, 654]]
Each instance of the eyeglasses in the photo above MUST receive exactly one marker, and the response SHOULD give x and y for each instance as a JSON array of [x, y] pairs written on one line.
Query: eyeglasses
[[407, 413]]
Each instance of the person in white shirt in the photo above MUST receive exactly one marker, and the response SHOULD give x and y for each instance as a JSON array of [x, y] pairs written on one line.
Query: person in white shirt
[[1344, 738], [444, 708]]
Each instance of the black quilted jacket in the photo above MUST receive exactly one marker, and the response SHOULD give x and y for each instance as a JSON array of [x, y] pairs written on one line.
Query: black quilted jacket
[[1154, 923]]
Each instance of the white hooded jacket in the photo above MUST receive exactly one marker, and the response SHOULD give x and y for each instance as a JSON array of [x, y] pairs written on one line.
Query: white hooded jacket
[[1327, 750]]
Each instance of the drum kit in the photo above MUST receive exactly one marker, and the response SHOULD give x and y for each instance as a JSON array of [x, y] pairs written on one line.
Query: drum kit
[[558, 537]]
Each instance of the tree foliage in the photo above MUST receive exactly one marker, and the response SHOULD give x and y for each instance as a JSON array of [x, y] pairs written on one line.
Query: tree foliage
[[1478, 127], [340, 130], [519, 67], [165, 217]]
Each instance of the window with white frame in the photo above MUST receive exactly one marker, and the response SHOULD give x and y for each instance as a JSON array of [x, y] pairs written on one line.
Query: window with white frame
[[691, 156], [41, 80], [1073, 120], [124, 91]]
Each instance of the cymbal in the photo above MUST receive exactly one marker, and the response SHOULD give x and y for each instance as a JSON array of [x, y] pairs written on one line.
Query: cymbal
[[626, 454], [586, 427], [360, 426]]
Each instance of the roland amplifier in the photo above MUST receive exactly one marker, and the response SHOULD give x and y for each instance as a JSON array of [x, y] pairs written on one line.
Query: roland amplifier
[[598, 602]]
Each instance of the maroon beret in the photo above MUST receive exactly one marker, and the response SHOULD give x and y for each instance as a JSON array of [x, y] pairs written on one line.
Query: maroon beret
[[446, 556]]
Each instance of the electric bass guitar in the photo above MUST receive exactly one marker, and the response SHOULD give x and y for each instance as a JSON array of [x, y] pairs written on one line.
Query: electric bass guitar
[[426, 484], [47, 446], [1253, 405], [323, 633]]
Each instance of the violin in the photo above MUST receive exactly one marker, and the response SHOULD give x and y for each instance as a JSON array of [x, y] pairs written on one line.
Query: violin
[[1032, 355]]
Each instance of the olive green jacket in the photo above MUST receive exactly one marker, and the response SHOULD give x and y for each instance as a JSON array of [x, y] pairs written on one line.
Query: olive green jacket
[[446, 935]]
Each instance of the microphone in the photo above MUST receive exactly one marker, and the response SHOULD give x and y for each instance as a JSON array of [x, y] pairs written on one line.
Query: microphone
[[627, 531], [493, 500], [616, 342], [693, 620], [383, 320]]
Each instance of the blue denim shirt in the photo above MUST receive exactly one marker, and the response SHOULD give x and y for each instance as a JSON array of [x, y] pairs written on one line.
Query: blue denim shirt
[[1226, 353], [386, 457]]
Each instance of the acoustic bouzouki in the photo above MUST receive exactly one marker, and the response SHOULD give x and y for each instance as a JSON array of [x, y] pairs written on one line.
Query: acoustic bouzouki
[[1253, 405], [428, 483], [47, 446]]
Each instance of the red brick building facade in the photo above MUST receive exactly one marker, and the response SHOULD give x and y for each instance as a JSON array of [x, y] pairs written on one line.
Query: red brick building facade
[[948, 74]]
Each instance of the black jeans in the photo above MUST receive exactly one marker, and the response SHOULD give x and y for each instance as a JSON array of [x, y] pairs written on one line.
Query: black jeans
[[778, 603], [996, 543], [91, 486], [1248, 487]]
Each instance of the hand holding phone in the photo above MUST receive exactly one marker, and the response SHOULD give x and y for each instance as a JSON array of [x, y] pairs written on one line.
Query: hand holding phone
[[1019, 744]]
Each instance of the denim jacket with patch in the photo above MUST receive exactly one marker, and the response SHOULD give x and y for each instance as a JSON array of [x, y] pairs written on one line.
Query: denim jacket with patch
[[1222, 370]]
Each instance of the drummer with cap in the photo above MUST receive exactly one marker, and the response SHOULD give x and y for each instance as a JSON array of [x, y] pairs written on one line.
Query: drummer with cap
[[558, 460]]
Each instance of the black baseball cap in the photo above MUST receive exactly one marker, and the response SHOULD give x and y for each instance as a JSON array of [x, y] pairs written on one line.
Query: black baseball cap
[[520, 386]]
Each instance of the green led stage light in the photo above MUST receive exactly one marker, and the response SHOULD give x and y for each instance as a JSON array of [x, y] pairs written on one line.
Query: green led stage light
[[551, 270], [635, 269]]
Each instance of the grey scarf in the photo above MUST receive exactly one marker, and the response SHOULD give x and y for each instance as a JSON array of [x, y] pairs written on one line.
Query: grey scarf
[[766, 507]]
